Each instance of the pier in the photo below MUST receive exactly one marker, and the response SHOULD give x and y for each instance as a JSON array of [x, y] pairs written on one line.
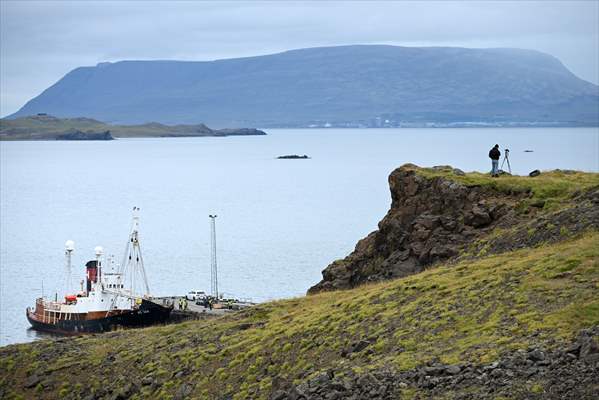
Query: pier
[[198, 311]]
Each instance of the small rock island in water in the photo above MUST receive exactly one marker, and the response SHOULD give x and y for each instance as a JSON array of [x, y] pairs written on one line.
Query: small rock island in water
[[293, 157]]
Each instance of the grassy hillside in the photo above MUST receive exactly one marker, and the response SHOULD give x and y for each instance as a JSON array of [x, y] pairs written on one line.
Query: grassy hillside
[[470, 311]]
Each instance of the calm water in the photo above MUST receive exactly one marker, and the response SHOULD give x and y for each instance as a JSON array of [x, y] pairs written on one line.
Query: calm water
[[280, 222]]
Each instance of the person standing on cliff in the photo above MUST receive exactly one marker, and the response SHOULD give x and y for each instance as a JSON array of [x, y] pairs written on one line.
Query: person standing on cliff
[[494, 155]]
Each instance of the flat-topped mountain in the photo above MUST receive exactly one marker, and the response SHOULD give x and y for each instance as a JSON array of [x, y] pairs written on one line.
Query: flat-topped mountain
[[48, 127], [365, 85]]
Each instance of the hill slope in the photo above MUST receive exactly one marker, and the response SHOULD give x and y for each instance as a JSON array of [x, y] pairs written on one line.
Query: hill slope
[[499, 326], [47, 127], [346, 85]]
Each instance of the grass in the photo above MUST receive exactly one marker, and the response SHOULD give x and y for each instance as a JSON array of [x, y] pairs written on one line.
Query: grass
[[470, 311], [549, 190]]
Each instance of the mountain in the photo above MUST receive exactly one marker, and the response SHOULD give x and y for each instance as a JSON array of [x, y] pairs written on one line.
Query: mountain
[[361, 85], [48, 127], [513, 321]]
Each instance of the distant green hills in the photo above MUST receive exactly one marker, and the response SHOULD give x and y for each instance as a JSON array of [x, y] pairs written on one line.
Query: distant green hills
[[47, 127], [344, 86]]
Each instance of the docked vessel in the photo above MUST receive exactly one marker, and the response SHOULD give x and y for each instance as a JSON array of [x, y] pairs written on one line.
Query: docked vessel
[[111, 296]]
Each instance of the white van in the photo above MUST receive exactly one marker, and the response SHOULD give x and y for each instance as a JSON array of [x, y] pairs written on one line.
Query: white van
[[195, 295]]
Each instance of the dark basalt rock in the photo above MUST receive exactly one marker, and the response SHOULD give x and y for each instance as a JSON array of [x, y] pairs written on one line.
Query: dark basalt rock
[[293, 157], [534, 173], [32, 381], [566, 372], [435, 219], [79, 135], [430, 220], [238, 132]]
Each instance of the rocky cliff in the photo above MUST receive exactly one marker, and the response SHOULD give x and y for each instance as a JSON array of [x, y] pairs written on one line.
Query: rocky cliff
[[441, 214]]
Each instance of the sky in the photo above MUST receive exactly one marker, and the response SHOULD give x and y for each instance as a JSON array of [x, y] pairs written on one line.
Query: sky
[[40, 41]]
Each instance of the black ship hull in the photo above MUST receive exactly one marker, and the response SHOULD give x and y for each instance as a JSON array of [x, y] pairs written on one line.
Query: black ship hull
[[147, 314]]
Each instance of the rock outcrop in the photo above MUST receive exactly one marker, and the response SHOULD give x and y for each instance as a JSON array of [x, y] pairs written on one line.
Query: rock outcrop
[[437, 218], [79, 135]]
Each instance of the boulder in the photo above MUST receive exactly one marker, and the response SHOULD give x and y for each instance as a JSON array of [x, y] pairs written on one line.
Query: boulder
[[534, 173], [32, 381], [478, 217], [183, 392]]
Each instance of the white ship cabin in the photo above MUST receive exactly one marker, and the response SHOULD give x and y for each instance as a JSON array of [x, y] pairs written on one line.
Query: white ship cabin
[[104, 291]]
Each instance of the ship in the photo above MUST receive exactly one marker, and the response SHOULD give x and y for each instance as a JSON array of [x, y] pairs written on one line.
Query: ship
[[111, 296]]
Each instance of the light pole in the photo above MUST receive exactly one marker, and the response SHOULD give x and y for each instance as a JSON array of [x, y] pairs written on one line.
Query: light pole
[[213, 270], [69, 248]]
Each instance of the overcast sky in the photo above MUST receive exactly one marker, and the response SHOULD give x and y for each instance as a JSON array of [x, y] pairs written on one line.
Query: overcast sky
[[41, 41]]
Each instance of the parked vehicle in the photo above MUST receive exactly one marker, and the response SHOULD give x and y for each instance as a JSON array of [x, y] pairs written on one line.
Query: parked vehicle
[[195, 295]]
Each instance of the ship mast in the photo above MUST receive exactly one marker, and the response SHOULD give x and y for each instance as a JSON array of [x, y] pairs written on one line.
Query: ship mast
[[133, 263], [69, 248]]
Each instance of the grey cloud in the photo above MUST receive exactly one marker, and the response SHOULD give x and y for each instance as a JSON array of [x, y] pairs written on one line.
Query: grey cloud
[[41, 41]]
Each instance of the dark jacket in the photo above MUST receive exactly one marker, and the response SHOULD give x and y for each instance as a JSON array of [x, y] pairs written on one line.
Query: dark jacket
[[494, 154]]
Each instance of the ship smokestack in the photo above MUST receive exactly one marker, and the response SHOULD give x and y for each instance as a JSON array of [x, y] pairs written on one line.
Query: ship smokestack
[[92, 274]]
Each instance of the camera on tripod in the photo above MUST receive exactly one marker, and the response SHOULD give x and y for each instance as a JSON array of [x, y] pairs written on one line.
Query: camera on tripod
[[506, 158]]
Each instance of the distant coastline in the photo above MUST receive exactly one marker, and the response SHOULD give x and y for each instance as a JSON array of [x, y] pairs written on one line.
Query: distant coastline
[[47, 127], [376, 124]]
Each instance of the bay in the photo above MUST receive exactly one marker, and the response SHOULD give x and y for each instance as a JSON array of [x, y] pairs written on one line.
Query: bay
[[280, 222]]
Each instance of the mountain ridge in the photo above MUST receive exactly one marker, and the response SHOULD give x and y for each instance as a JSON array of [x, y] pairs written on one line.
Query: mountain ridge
[[357, 85]]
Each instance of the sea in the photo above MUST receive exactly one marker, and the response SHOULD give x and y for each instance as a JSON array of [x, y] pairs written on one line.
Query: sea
[[279, 222]]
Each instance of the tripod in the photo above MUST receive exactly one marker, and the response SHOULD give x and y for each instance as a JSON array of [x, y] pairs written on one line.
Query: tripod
[[506, 158]]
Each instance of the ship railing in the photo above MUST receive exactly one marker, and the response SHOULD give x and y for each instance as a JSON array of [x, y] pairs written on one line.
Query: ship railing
[[49, 305]]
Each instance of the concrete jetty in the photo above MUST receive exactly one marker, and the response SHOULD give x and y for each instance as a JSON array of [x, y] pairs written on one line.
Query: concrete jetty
[[198, 311]]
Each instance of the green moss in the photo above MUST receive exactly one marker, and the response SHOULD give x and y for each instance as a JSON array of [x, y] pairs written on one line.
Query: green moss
[[551, 188], [537, 388], [531, 232]]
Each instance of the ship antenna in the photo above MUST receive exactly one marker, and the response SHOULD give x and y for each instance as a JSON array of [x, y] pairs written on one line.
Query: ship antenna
[[213, 269], [99, 250], [69, 248]]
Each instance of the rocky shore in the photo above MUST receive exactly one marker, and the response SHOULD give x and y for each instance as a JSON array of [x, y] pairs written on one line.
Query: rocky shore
[[79, 135]]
